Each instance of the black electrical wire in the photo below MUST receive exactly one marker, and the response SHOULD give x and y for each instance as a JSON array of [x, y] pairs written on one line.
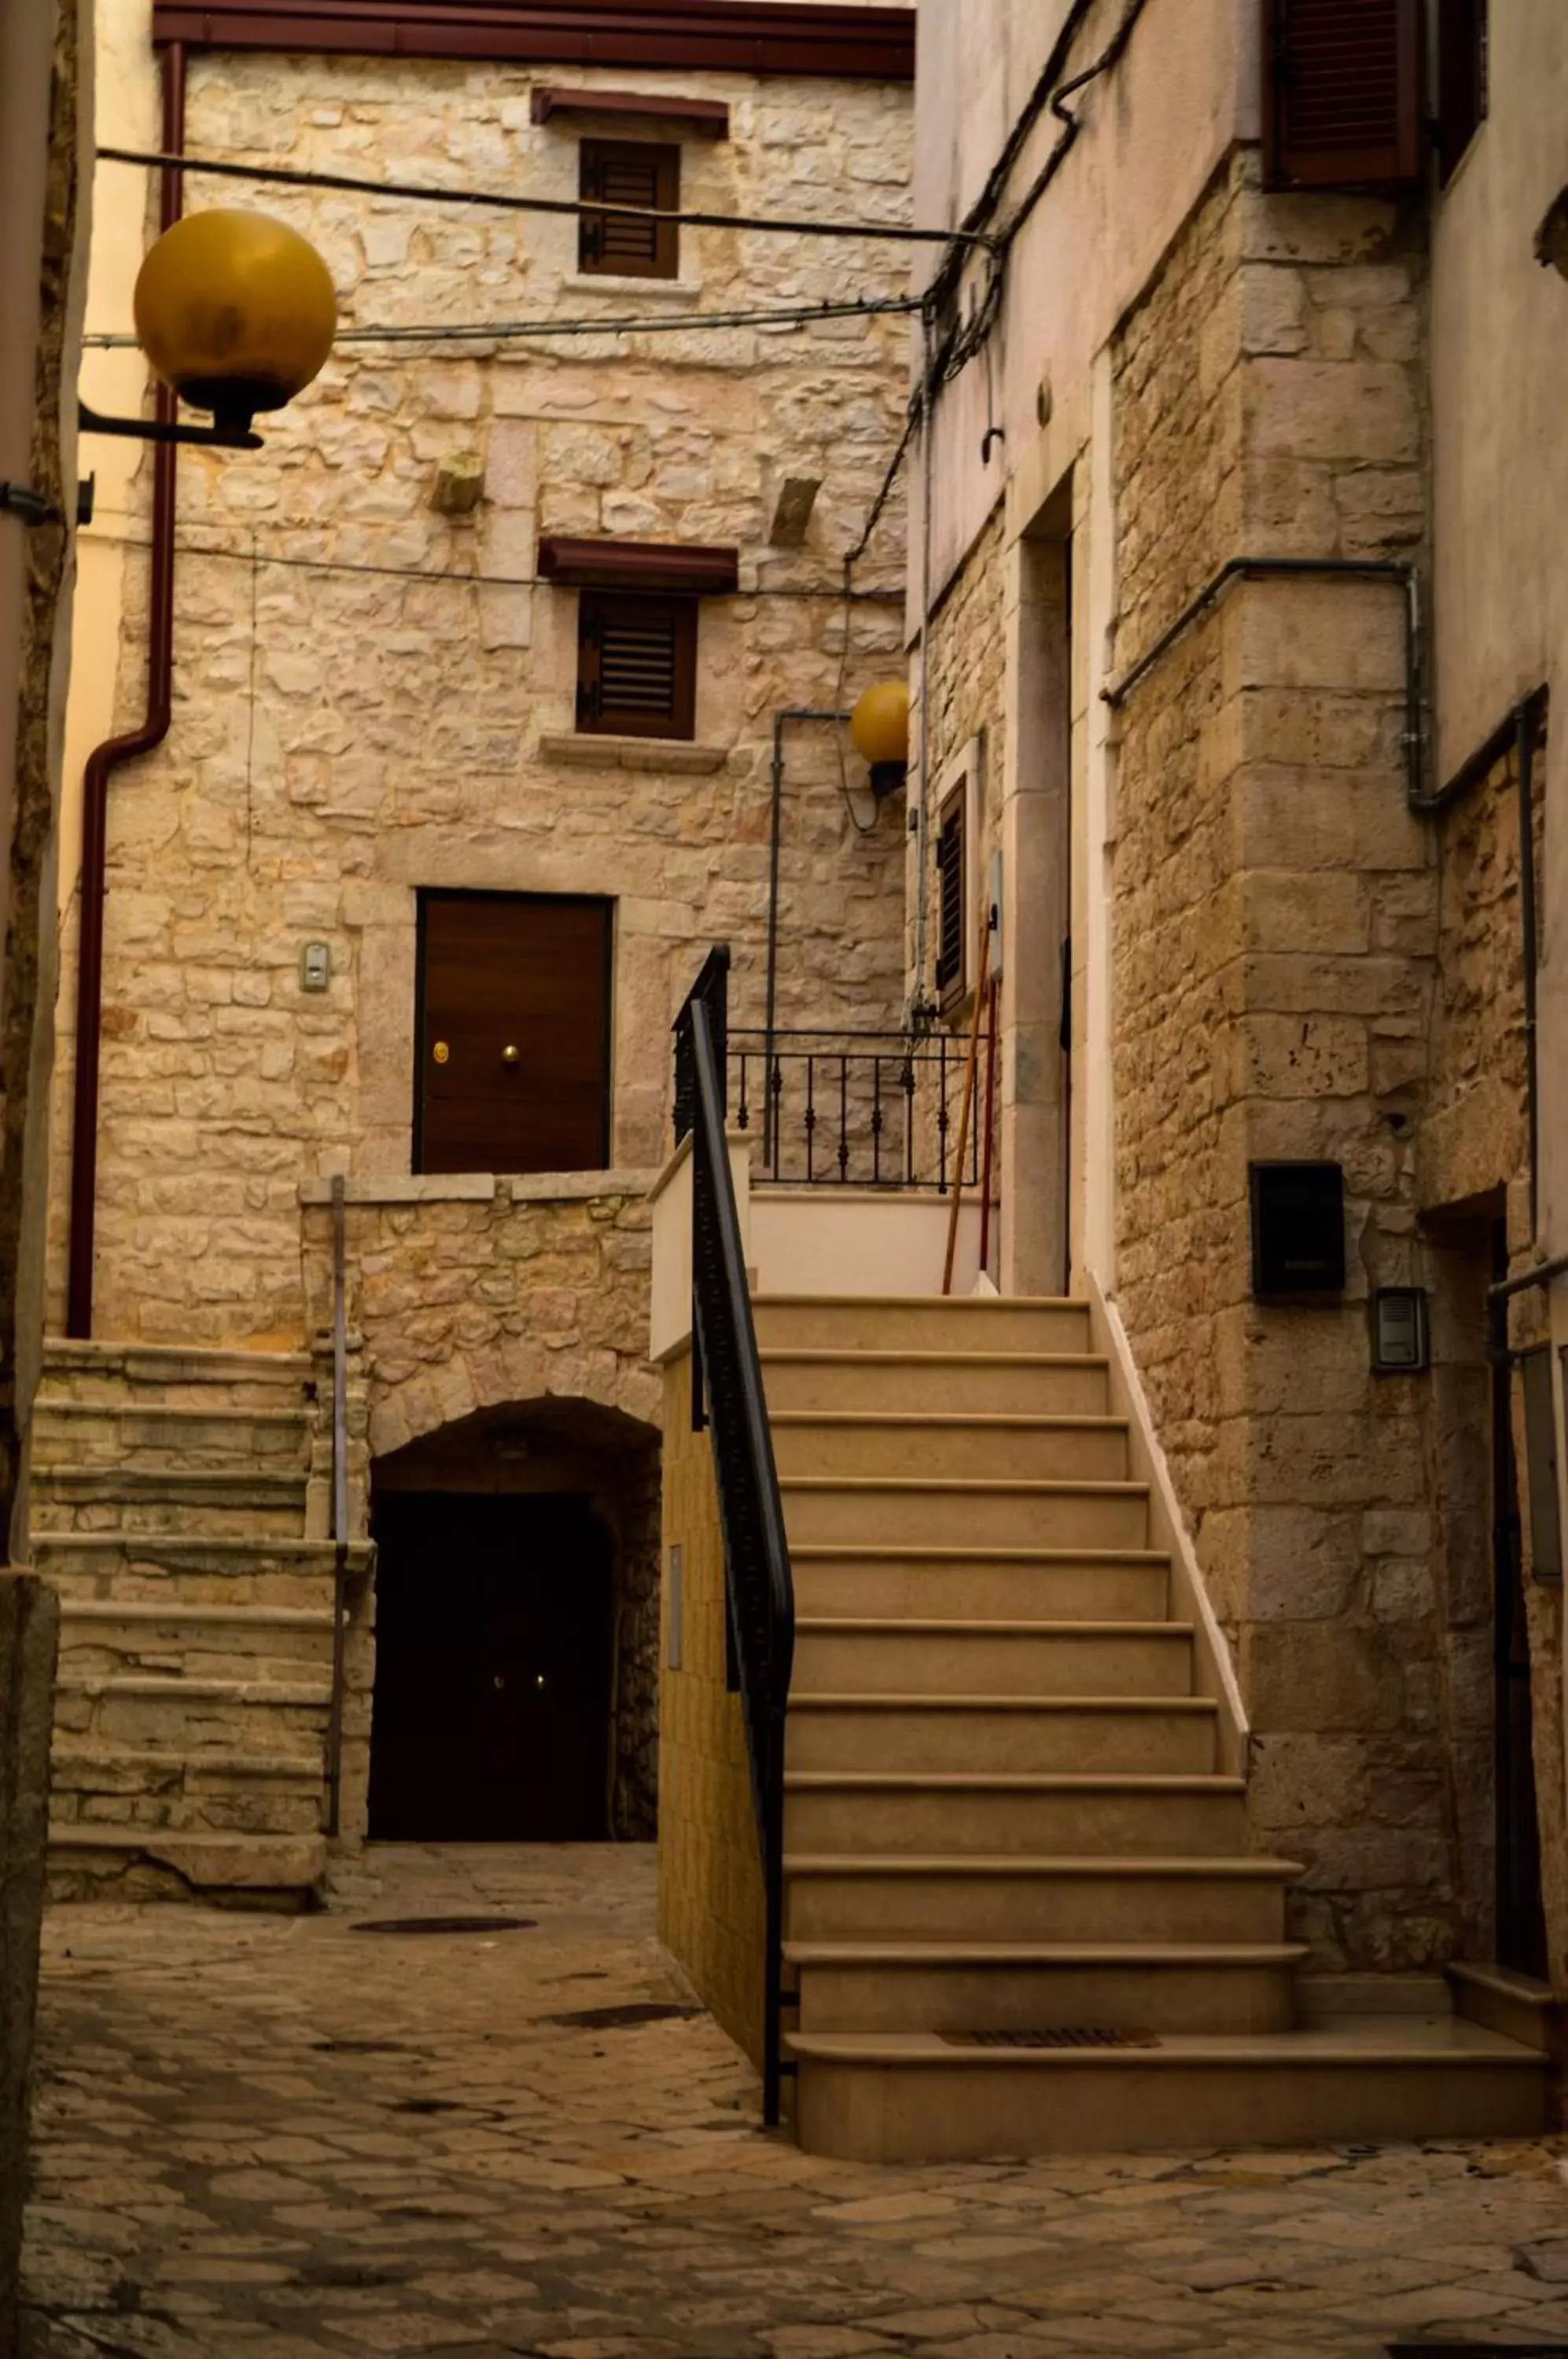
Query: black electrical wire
[[505, 201]]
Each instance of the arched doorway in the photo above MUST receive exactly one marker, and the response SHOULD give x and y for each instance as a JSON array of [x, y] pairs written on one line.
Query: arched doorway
[[517, 1629]]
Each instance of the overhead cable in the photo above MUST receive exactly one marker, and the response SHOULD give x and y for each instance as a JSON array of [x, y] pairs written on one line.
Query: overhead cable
[[435, 331], [508, 200]]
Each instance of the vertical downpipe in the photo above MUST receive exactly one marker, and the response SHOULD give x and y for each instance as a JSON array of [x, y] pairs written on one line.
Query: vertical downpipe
[[1524, 765], [102, 764]]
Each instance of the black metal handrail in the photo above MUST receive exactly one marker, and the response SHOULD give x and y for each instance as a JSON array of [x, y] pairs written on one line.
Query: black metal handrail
[[851, 1109], [727, 1374]]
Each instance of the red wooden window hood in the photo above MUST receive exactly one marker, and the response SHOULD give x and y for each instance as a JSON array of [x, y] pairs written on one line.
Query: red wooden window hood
[[648, 565]]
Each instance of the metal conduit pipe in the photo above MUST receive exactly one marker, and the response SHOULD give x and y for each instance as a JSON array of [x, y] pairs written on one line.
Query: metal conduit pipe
[[776, 825], [102, 764]]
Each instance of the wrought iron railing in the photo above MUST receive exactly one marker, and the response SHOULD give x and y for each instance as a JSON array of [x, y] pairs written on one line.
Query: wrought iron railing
[[854, 1109], [726, 1395]]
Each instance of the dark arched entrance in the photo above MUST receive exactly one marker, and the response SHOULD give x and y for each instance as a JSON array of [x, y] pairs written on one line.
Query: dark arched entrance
[[516, 1629]]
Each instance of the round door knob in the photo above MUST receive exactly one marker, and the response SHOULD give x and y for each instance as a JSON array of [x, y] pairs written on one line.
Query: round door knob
[[440, 1052], [509, 1055]]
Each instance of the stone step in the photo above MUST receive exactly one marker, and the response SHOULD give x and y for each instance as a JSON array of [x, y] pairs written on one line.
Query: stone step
[[920, 1812], [236, 1441], [191, 1569], [845, 1511], [1037, 1658], [919, 1322], [1029, 1384], [242, 1504], [195, 1717], [850, 1898], [938, 1446], [141, 1863], [104, 1786], [173, 1375], [966, 1584], [1170, 1734], [108, 1638], [973, 1985], [914, 2097]]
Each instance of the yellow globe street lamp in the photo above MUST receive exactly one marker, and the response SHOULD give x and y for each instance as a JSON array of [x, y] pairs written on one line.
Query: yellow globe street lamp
[[879, 726]]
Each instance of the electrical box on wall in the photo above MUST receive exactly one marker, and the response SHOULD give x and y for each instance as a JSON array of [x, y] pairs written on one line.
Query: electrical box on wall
[[1297, 1229], [315, 966], [1400, 1342]]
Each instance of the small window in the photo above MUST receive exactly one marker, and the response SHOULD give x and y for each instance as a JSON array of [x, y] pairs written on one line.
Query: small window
[[630, 172], [952, 899], [1461, 79], [636, 666], [1342, 95]]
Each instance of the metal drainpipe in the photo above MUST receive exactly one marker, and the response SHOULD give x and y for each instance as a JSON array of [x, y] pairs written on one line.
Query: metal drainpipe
[[780, 719], [102, 764], [1524, 762]]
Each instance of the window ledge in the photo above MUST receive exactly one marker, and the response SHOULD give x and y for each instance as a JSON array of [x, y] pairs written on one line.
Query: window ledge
[[483, 1188], [656, 291], [670, 754]]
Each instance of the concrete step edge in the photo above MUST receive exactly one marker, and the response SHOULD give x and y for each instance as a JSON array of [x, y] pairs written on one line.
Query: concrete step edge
[[140, 1612], [1195, 1705], [969, 1486], [936, 1420], [925, 1559], [1291, 2050], [1108, 1867], [833, 1355], [1218, 1954], [988, 1304], [869, 1626], [300, 1693], [1130, 1782]]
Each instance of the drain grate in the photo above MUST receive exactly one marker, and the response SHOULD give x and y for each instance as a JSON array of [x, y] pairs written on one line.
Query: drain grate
[[443, 1925], [624, 2018], [1058, 2034]]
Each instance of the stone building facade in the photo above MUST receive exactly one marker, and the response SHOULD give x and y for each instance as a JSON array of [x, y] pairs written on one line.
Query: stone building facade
[[1208, 535], [375, 698]]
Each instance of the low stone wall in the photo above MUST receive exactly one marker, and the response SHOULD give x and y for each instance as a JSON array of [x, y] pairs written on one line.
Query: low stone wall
[[29, 1626], [711, 1909]]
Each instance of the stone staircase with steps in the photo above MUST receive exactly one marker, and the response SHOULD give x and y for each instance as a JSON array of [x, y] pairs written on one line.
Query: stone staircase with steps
[[173, 1492], [1008, 1828]]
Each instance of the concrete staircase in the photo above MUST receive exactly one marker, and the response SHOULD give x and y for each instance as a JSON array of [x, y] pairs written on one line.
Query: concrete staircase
[[172, 1496], [1010, 1844]]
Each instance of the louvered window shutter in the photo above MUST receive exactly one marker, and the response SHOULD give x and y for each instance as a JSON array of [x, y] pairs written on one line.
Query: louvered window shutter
[[628, 172], [636, 666], [1341, 97], [950, 866]]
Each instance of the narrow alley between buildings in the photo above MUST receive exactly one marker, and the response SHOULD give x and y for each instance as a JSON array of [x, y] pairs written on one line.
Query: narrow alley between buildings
[[292, 2137]]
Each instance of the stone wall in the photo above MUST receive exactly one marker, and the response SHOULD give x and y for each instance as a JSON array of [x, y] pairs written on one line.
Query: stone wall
[[1275, 906], [372, 696], [711, 1904]]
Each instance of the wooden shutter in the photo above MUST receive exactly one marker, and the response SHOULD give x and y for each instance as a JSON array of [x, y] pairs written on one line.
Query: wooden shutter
[[627, 172], [636, 666], [1341, 97], [951, 980]]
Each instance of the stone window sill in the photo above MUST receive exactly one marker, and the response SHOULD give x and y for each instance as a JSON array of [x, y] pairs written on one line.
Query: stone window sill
[[483, 1188], [669, 754], [656, 291]]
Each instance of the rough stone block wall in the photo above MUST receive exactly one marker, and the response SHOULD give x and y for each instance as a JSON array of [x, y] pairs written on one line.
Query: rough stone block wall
[[711, 1905], [29, 1627], [370, 696], [1274, 930]]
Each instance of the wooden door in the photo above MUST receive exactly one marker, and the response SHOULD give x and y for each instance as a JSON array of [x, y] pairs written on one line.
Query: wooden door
[[513, 1035]]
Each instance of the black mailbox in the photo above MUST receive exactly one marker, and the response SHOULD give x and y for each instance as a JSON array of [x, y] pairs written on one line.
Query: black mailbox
[[1298, 1228]]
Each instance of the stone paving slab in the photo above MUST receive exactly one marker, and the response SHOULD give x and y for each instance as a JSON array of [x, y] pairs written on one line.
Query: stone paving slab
[[286, 2138]]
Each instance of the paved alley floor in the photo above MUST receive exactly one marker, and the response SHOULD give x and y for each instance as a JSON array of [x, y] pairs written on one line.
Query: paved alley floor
[[291, 2137]]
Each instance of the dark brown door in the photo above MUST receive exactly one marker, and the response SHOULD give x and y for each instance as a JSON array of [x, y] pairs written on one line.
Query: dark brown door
[[513, 1033], [491, 1719]]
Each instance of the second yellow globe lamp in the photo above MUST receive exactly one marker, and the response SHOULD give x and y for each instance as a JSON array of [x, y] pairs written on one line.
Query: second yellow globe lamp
[[879, 726]]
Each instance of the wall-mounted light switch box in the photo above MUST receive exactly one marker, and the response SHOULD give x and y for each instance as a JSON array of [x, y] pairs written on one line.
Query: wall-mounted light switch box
[[315, 966], [1400, 1340]]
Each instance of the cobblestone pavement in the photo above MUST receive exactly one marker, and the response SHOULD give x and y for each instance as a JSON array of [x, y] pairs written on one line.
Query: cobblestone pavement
[[289, 2137]]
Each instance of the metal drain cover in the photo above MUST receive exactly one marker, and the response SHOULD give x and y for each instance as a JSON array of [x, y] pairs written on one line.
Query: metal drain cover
[[443, 1924], [1068, 2035], [625, 2019]]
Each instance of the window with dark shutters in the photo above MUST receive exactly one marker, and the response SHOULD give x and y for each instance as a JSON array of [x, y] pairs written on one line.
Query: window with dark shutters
[[951, 979], [636, 666], [628, 172], [1341, 98]]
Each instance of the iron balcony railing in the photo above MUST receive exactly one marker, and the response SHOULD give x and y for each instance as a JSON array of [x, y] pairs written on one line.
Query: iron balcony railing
[[727, 1395], [848, 1109]]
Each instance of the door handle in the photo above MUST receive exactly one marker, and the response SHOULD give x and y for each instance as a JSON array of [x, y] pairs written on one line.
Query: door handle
[[509, 1055], [440, 1052]]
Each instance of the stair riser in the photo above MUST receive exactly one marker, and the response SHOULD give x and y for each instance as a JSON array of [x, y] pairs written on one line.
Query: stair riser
[[221, 1654], [964, 2112], [983, 1742], [882, 1998], [997, 1825], [891, 1518], [1033, 1908], [279, 1518], [978, 1454], [110, 1576], [939, 1387], [885, 1590], [190, 1726], [151, 1438], [129, 1378], [270, 1808], [920, 1663], [925, 1326]]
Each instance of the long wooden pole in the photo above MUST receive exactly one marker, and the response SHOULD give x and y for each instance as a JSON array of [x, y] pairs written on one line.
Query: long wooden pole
[[981, 995]]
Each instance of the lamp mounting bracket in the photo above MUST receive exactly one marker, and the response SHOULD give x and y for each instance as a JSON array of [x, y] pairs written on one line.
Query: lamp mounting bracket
[[219, 435]]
